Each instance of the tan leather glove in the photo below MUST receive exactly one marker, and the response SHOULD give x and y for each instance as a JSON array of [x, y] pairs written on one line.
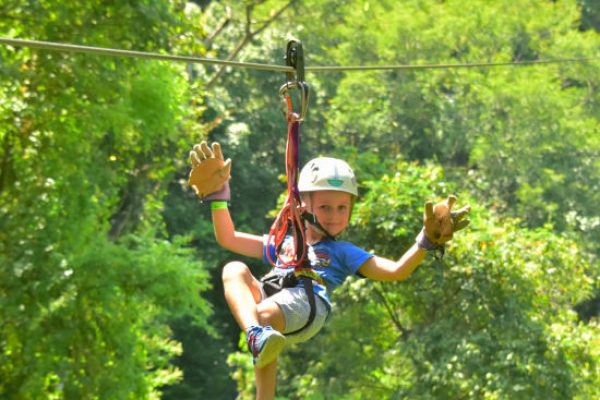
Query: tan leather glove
[[440, 222], [210, 172]]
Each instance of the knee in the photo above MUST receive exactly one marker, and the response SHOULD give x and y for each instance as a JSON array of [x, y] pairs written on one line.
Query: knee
[[234, 270]]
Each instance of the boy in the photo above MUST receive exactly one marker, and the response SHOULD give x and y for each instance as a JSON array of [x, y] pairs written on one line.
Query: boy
[[328, 191]]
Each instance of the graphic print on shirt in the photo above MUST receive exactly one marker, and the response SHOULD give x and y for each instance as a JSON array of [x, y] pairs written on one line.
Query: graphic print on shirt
[[287, 252], [317, 259]]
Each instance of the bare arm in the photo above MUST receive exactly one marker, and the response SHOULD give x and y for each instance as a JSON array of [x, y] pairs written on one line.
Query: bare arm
[[239, 242], [440, 223], [383, 269]]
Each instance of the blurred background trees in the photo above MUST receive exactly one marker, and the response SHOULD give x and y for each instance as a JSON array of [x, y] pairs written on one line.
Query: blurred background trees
[[109, 274]]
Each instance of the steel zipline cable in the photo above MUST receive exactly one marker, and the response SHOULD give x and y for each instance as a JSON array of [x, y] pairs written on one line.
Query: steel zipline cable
[[64, 47], [104, 51]]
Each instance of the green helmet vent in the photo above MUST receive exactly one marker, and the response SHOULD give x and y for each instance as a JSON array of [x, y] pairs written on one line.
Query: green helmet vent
[[335, 182]]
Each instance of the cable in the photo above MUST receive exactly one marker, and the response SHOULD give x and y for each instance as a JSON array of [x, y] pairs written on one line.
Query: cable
[[444, 66], [36, 44]]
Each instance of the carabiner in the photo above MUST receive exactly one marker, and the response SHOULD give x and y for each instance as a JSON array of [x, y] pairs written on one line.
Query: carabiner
[[288, 108], [294, 57]]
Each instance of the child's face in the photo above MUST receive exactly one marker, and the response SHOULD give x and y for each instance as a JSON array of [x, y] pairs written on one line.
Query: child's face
[[332, 209]]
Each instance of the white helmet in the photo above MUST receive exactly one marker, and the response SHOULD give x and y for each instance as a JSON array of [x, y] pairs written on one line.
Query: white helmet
[[326, 173]]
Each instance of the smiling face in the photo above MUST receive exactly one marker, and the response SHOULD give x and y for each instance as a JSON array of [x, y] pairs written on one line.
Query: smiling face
[[332, 209]]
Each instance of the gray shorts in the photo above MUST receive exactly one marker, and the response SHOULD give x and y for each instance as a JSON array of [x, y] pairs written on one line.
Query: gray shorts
[[293, 302]]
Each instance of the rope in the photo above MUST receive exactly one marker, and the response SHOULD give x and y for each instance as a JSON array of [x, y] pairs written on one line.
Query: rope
[[270, 67], [289, 217]]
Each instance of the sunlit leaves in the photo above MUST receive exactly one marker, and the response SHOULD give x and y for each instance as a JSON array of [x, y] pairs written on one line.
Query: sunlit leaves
[[525, 133], [87, 147]]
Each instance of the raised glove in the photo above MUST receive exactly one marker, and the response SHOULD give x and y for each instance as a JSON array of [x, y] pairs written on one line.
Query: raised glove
[[210, 172], [440, 222]]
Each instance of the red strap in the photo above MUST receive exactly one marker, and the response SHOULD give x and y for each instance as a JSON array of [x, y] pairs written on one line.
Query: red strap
[[289, 217]]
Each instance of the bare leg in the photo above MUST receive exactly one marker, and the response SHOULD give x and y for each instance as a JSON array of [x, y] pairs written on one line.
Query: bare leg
[[244, 297], [269, 313], [266, 380], [242, 292]]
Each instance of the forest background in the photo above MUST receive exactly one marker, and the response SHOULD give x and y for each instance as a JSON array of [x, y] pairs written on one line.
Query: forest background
[[109, 273]]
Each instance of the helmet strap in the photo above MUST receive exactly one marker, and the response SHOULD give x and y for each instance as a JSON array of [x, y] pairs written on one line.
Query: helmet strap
[[312, 219]]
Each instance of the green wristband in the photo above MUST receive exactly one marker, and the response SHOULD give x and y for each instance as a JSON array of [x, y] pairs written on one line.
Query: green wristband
[[218, 205]]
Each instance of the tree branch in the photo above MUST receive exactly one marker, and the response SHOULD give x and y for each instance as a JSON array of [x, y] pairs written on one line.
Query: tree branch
[[393, 315], [126, 218], [208, 41], [248, 36]]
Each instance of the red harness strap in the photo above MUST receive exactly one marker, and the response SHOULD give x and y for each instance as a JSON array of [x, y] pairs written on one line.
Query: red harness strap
[[289, 217]]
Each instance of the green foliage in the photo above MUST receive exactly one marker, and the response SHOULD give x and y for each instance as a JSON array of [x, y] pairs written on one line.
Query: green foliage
[[590, 14], [241, 363], [87, 281], [523, 133], [94, 335]]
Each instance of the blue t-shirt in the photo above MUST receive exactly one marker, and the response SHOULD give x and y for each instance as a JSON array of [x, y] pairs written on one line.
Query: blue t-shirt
[[332, 260]]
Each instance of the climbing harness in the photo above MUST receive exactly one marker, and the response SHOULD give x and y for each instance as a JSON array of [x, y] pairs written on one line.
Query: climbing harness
[[289, 219]]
